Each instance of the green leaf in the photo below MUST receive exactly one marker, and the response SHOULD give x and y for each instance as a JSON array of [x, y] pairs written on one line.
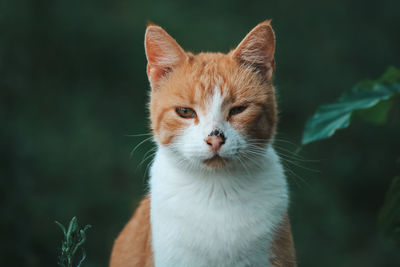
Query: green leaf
[[74, 238], [377, 114], [389, 216], [369, 99], [61, 227], [82, 259], [391, 75], [73, 226]]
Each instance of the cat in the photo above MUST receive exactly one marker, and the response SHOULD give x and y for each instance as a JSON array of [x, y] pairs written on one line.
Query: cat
[[218, 194]]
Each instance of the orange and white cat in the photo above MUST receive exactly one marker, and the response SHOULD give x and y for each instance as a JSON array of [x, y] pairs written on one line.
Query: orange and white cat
[[218, 194]]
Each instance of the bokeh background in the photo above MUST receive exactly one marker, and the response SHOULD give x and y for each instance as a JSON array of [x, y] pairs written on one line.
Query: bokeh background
[[73, 87]]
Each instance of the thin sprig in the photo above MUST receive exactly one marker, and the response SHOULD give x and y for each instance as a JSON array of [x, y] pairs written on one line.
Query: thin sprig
[[74, 238]]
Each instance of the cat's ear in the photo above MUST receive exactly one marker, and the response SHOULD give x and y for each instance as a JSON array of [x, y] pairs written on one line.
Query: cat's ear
[[257, 49], [163, 53]]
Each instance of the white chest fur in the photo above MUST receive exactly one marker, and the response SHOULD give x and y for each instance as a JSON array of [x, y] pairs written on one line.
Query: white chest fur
[[215, 219]]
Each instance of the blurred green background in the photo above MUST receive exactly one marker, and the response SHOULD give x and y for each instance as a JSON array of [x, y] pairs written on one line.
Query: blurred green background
[[73, 86]]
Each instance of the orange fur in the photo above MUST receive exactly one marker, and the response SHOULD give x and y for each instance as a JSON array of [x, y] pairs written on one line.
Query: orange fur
[[194, 78], [282, 246], [132, 248], [182, 79], [193, 82], [133, 245]]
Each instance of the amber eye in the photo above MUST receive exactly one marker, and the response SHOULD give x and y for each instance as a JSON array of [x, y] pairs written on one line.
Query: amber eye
[[237, 110], [186, 113]]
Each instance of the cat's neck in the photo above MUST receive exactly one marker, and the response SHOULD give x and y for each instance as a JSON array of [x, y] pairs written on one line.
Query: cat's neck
[[211, 212], [171, 174]]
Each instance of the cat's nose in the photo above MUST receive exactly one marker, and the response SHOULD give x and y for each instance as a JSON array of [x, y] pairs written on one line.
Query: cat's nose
[[215, 140]]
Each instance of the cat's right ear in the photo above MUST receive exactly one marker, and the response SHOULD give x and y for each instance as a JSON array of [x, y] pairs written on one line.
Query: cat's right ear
[[163, 53]]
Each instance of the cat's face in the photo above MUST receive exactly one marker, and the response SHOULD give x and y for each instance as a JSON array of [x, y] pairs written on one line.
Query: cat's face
[[211, 109]]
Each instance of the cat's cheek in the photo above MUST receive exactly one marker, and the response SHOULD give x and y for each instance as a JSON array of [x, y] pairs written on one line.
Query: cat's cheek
[[239, 127], [244, 123], [262, 128], [170, 129], [254, 126]]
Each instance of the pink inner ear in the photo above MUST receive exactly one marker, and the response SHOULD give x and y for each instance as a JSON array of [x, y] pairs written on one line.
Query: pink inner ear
[[156, 72], [153, 51], [257, 49], [163, 53], [155, 69]]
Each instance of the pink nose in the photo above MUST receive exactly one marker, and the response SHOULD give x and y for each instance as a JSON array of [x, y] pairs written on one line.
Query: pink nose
[[215, 142]]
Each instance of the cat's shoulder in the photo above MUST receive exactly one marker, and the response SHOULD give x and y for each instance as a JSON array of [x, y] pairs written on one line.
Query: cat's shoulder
[[133, 246]]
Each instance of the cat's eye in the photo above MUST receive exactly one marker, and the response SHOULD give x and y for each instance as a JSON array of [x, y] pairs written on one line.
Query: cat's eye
[[236, 110], [186, 113]]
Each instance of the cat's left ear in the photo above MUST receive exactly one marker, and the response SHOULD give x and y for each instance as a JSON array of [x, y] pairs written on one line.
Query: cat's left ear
[[257, 49], [163, 53]]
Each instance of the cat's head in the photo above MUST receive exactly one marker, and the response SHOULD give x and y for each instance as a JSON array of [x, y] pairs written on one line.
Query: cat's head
[[211, 109]]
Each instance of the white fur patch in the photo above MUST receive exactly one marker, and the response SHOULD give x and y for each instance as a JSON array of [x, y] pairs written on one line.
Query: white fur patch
[[223, 217], [191, 145]]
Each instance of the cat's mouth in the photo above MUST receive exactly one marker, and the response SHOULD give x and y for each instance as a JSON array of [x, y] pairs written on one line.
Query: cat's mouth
[[215, 161]]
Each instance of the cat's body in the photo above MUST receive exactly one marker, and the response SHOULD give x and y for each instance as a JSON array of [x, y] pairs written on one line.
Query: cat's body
[[218, 194], [215, 219]]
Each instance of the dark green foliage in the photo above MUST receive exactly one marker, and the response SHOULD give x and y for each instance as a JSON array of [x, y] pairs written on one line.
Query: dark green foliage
[[372, 99], [74, 238], [73, 84], [389, 216]]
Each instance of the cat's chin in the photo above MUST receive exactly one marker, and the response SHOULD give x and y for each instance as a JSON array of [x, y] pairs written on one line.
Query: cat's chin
[[216, 162]]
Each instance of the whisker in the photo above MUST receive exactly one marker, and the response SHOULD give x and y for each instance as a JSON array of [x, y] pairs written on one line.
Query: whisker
[[244, 166], [136, 135], [141, 143], [294, 155], [150, 151], [298, 165], [285, 141], [147, 168], [257, 164], [145, 158], [297, 176]]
